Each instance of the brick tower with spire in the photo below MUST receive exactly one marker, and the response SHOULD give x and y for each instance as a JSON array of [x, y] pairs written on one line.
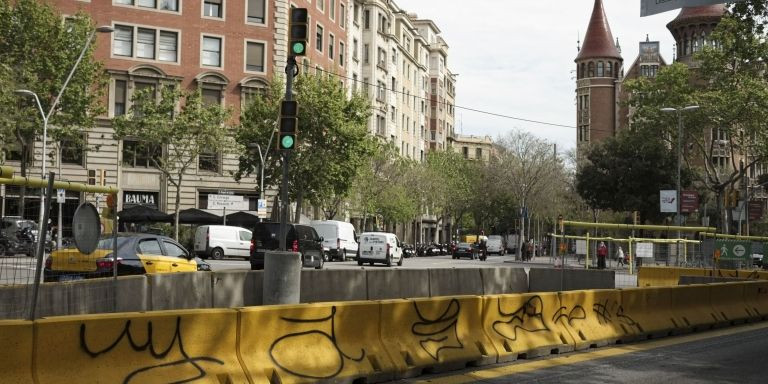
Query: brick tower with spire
[[599, 67]]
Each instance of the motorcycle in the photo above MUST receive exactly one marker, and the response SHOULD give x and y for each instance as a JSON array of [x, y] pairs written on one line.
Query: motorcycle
[[23, 243]]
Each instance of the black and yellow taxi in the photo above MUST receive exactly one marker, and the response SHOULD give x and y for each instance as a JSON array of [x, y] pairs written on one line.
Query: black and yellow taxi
[[137, 254]]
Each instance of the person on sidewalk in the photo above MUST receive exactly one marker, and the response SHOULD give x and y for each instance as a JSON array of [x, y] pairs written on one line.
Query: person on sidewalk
[[602, 252], [620, 257]]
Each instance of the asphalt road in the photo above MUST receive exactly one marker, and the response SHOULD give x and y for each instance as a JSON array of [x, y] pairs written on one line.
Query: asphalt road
[[730, 355]]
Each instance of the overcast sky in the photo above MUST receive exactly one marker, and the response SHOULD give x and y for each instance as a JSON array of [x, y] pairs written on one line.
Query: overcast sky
[[515, 57]]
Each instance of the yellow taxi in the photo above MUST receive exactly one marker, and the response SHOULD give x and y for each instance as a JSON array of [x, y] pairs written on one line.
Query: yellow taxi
[[136, 254]]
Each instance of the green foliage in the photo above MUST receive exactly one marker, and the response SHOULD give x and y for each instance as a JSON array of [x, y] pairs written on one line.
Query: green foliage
[[625, 174], [38, 52], [177, 134], [333, 139]]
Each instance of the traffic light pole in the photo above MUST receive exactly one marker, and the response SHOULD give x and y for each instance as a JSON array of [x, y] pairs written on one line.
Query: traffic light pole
[[290, 70]]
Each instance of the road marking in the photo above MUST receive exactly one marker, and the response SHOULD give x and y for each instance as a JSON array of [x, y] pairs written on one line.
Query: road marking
[[580, 357]]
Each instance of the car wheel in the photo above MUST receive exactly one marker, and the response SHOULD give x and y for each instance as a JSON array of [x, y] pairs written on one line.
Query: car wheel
[[320, 266], [326, 258], [3, 249], [217, 254], [370, 263], [389, 261], [400, 262], [359, 262], [343, 255]]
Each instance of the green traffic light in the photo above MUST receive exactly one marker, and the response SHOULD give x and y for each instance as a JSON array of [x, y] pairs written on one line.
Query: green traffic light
[[298, 48], [287, 142]]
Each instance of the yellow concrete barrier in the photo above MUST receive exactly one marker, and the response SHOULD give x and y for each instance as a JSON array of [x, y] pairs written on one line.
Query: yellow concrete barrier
[[650, 308], [756, 299], [729, 303], [334, 342], [691, 308], [595, 318], [526, 325], [159, 347], [666, 276], [16, 351], [436, 334]]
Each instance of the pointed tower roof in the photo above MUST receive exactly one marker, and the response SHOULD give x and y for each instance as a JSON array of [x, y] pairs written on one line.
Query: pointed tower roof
[[689, 15], [598, 41]]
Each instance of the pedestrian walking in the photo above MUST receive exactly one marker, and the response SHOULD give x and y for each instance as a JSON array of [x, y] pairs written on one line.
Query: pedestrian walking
[[524, 250], [620, 257], [602, 252]]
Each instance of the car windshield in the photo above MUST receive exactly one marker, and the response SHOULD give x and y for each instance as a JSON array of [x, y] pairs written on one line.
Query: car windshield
[[108, 242]]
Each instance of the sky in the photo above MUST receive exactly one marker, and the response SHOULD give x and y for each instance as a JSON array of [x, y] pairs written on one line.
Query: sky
[[515, 58]]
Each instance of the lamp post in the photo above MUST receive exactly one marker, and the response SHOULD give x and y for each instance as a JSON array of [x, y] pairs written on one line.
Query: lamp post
[[679, 112], [263, 160], [46, 117]]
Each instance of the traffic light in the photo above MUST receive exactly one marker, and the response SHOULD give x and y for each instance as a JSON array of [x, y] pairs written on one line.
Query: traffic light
[[298, 32], [289, 125]]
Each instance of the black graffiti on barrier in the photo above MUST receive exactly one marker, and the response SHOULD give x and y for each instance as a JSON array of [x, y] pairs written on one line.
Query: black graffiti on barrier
[[438, 334], [576, 313], [753, 275], [150, 345], [288, 343], [606, 310], [529, 318]]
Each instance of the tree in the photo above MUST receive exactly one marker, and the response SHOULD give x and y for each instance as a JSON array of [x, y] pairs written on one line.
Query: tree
[[333, 140], [451, 179], [38, 52], [626, 173], [175, 138]]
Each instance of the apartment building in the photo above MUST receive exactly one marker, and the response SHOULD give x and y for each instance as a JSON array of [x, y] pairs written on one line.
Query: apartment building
[[228, 49], [474, 147]]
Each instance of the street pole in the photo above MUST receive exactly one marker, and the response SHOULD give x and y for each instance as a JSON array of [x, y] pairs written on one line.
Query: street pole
[[290, 69], [679, 167]]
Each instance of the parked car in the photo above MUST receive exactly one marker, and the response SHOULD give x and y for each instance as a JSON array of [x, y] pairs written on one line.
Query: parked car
[[220, 241], [138, 254], [409, 251], [339, 237], [495, 245], [466, 250], [380, 247], [300, 238], [432, 250]]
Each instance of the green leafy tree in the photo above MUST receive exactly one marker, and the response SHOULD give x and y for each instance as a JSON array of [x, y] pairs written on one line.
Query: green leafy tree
[[626, 173], [177, 129], [333, 141], [38, 52]]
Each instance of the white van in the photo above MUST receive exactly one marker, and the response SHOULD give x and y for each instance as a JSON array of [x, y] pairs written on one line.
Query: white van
[[338, 236], [219, 241], [495, 244], [380, 247]]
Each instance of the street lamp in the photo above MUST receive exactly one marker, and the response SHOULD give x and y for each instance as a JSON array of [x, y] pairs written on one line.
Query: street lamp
[[679, 112], [46, 117], [262, 159]]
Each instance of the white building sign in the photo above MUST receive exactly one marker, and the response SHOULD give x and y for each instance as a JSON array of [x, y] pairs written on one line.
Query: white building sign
[[652, 7], [668, 201], [644, 250], [229, 202]]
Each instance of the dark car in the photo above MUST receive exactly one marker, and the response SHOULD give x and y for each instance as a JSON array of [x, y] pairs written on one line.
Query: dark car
[[432, 250], [409, 251], [466, 250], [137, 254], [301, 238]]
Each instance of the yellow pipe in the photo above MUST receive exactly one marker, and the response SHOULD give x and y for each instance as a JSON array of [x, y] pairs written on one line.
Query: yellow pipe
[[70, 186], [733, 237], [631, 259], [6, 172], [615, 240], [581, 224], [586, 260]]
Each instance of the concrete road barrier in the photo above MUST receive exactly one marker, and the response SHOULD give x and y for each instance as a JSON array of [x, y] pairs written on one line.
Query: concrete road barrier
[[648, 276], [333, 285], [434, 335], [233, 289], [499, 281], [455, 281], [16, 351], [385, 284], [180, 290], [156, 347], [555, 280], [525, 325], [729, 305], [691, 308], [756, 299], [651, 310], [595, 318], [309, 343]]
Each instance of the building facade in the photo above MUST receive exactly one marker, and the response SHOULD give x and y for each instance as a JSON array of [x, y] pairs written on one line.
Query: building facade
[[474, 147]]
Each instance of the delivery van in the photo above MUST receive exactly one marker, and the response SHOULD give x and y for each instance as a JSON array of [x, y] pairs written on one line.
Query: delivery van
[[220, 241], [380, 247]]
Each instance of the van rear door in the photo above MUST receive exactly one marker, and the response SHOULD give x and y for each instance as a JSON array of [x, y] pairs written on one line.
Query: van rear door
[[373, 247]]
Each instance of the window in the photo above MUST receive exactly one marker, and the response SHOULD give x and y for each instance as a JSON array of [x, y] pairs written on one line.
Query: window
[[211, 51], [123, 44], [341, 53], [210, 96], [120, 96], [245, 235], [150, 247], [145, 43], [254, 57], [146, 3], [213, 8], [600, 69], [150, 43], [139, 155], [256, 11], [366, 54], [465, 152], [163, 5], [319, 38], [173, 250], [72, 152], [331, 44], [332, 9], [367, 19], [342, 15], [321, 5], [479, 153], [609, 69], [208, 161], [354, 49]]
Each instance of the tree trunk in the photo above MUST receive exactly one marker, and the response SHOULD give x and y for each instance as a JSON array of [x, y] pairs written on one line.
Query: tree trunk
[[23, 189], [177, 204], [299, 202]]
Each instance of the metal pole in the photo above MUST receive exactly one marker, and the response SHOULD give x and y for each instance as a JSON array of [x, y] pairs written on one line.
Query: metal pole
[[289, 72], [41, 249], [679, 167]]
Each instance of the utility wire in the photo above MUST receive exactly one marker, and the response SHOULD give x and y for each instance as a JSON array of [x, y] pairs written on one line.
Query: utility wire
[[455, 106]]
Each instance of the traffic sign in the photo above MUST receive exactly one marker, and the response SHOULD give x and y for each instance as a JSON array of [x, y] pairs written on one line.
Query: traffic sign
[[733, 250], [61, 196]]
